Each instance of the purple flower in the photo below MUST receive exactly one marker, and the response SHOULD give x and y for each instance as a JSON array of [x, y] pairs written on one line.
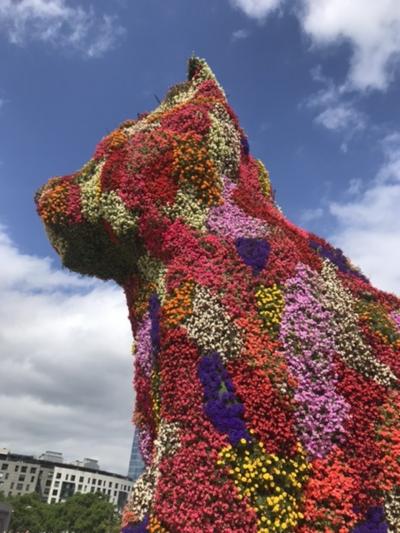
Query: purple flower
[[307, 335], [230, 221], [254, 252], [144, 345], [336, 256], [145, 444], [221, 405], [138, 528], [374, 523], [395, 315], [245, 145]]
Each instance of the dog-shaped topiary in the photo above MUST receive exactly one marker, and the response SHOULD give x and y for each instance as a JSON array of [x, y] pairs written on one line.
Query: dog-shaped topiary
[[266, 365]]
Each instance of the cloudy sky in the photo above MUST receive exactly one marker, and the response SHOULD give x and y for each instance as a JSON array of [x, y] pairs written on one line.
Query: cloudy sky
[[316, 86]]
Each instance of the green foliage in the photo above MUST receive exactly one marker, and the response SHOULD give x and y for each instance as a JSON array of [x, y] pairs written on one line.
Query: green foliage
[[82, 513], [89, 250], [29, 513], [89, 513], [378, 319]]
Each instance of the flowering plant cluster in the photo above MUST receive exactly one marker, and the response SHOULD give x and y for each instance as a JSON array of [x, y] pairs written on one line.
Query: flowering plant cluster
[[270, 484], [220, 403], [266, 365]]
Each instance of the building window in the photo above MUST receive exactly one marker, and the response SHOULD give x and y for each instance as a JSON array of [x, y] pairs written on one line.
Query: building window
[[4, 466], [58, 476], [53, 500], [21, 477], [33, 469], [91, 489], [23, 469], [19, 486], [32, 479], [56, 483], [6, 475], [55, 492], [27, 488], [99, 481], [16, 468], [81, 479], [66, 477], [72, 478], [48, 483], [79, 487], [110, 483], [12, 485]]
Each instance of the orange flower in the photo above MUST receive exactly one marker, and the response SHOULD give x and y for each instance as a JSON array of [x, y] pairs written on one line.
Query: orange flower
[[116, 139], [53, 203], [155, 526], [128, 517], [191, 164], [179, 305]]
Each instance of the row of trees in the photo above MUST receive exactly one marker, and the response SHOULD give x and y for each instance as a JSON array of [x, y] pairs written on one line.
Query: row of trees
[[82, 513]]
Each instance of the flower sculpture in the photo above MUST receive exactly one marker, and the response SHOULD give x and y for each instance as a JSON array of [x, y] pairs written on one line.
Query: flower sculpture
[[266, 366]]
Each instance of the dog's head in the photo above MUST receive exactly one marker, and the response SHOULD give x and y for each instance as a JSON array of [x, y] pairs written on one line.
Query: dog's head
[[168, 164]]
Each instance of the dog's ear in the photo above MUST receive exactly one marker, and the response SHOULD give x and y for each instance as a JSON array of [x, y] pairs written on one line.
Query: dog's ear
[[198, 69], [200, 72], [201, 81]]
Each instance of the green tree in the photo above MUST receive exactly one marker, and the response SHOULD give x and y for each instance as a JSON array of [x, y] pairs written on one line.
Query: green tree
[[90, 513], [29, 513], [54, 521], [81, 513]]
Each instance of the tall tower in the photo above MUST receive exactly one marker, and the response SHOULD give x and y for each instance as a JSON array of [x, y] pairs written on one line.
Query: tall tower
[[136, 465]]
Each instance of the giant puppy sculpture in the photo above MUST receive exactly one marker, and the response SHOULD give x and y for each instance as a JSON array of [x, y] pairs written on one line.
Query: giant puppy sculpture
[[266, 365]]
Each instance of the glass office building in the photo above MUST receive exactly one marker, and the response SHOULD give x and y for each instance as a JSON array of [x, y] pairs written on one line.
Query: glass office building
[[136, 465]]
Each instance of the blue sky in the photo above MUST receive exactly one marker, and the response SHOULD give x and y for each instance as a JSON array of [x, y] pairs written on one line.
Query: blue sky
[[315, 84]]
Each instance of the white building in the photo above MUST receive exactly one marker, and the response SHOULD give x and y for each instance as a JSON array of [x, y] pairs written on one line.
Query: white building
[[68, 479], [55, 482]]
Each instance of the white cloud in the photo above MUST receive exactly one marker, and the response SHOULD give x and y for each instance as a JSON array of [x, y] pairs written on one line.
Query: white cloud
[[30, 273], [239, 35], [335, 109], [257, 9], [60, 24], [368, 227], [309, 215], [371, 28], [65, 362], [340, 116], [355, 186]]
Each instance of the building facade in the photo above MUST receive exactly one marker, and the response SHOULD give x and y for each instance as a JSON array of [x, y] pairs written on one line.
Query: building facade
[[55, 482], [66, 481]]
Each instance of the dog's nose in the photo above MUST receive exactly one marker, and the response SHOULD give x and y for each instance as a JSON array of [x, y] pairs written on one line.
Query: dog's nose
[[58, 201]]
